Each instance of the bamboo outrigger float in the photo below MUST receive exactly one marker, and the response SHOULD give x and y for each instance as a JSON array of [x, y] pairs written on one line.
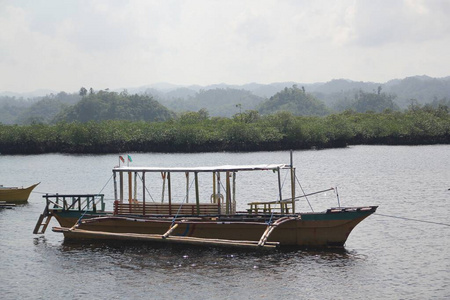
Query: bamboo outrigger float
[[213, 221]]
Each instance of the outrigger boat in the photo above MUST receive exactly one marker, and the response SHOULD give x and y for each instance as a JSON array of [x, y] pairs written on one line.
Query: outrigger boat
[[216, 221], [15, 194]]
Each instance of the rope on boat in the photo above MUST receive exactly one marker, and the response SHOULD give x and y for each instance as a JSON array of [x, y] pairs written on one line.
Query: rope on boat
[[298, 181], [86, 210], [179, 208], [270, 220], [148, 192], [410, 219]]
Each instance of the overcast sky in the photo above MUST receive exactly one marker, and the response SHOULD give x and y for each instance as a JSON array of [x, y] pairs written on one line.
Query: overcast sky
[[63, 45]]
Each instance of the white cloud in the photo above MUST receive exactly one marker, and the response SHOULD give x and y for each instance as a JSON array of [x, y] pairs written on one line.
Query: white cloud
[[64, 45]]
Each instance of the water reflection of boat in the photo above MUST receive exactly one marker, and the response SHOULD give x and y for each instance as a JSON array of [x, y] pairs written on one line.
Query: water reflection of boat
[[212, 221], [15, 194]]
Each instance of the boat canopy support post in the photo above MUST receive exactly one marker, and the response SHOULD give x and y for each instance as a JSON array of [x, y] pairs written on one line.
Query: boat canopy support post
[[187, 186], [234, 192], [130, 189], [169, 189], [214, 186], [163, 175], [115, 186], [143, 193], [135, 186], [197, 195], [121, 186], [279, 190], [228, 194], [292, 169]]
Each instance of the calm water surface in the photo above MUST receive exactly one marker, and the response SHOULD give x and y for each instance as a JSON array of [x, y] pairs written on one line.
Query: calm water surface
[[384, 258]]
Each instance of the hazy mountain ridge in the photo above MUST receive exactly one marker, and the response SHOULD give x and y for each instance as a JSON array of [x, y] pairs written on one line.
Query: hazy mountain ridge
[[424, 83], [227, 100]]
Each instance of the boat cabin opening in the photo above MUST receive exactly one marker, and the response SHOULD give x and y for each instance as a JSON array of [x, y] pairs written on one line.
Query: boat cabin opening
[[205, 191]]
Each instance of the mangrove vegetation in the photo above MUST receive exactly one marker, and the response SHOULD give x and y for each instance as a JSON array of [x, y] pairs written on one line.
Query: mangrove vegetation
[[245, 131]]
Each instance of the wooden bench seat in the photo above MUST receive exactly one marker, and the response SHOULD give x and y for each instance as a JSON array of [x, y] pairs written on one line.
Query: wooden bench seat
[[166, 208]]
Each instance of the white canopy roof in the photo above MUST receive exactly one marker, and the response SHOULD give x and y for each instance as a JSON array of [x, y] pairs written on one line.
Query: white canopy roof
[[225, 168]]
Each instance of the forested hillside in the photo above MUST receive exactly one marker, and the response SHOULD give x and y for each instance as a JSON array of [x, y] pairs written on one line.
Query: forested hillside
[[36, 110], [219, 102], [222, 100], [105, 105], [295, 101]]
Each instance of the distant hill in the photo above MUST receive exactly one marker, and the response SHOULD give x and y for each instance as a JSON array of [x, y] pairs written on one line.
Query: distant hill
[[35, 110], [219, 102], [226, 100], [295, 101], [424, 89], [106, 105]]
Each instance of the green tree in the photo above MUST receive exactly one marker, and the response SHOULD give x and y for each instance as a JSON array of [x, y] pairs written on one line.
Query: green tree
[[296, 101], [83, 91]]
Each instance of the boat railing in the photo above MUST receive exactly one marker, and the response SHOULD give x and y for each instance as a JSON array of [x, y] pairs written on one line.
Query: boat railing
[[270, 207], [153, 208], [78, 202]]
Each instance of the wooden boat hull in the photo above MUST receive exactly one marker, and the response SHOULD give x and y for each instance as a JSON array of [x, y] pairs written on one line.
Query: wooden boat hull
[[326, 229], [16, 195]]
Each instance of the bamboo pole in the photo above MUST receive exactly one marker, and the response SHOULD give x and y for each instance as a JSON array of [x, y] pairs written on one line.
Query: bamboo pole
[[130, 186], [115, 186], [169, 187], [171, 239], [279, 189], [292, 183], [163, 175], [197, 195], [214, 188], [234, 192], [228, 193], [135, 186], [169, 232], [187, 187], [121, 186], [143, 192]]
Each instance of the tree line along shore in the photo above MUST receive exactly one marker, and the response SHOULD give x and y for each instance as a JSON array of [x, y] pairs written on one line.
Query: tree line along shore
[[246, 131]]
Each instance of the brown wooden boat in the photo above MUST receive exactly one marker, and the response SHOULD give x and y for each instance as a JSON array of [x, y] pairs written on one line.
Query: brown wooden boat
[[211, 221]]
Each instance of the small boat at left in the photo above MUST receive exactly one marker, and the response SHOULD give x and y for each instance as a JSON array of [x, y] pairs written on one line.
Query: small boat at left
[[15, 194]]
